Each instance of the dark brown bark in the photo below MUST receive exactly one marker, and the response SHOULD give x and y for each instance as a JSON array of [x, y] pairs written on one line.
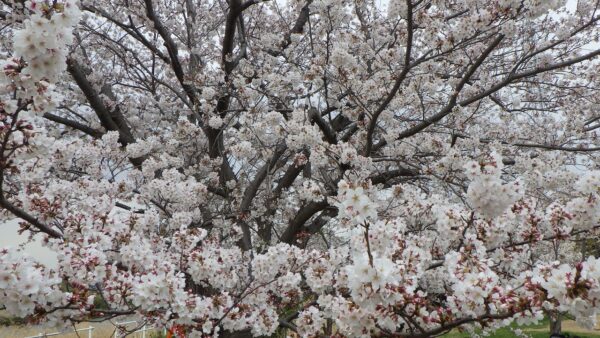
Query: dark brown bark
[[555, 324]]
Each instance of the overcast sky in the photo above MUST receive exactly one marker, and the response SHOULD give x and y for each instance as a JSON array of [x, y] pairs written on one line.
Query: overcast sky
[[9, 237]]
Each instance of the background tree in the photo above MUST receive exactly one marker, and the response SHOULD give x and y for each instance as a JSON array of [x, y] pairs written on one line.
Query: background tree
[[321, 166]]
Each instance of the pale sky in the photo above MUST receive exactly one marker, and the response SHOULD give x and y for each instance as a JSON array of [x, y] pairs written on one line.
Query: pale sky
[[9, 237]]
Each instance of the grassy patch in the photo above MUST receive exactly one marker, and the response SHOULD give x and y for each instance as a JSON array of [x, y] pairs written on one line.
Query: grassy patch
[[507, 333], [540, 330]]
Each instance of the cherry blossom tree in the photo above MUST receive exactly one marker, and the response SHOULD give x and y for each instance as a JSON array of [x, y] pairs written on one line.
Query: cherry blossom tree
[[324, 167]]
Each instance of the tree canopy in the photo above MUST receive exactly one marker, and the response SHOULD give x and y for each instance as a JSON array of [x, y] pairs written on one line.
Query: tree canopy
[[325, 167]]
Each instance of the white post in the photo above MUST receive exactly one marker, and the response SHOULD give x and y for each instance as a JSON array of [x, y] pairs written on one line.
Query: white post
[[90, 330], [144, 331]]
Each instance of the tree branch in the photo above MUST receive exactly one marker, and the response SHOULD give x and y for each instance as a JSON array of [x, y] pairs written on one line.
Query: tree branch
[[303, 215], [297, 29], [452, 102], [74, 124], [397, 84], [172, 49]]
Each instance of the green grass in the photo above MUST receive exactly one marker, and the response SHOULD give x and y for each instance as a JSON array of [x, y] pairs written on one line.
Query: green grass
[[507, 332]]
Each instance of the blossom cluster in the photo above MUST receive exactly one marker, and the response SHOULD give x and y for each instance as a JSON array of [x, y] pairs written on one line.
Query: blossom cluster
[[572, 289], [355, 203], [43, 40], [486, 177], [25, 285]]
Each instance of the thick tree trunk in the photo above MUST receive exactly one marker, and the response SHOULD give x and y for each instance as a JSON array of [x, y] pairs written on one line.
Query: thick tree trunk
[[555, 325], [236, 334]]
